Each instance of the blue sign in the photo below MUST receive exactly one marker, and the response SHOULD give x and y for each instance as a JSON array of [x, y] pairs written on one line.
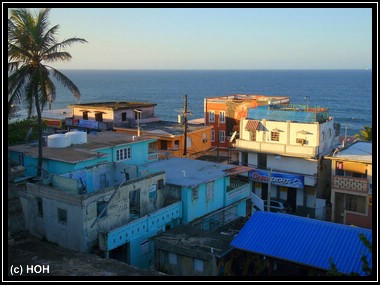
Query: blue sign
[[281, 179], [88, 124]]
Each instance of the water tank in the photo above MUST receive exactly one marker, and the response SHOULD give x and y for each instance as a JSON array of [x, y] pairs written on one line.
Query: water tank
[[82, 137], [71, 137], [58, 141]]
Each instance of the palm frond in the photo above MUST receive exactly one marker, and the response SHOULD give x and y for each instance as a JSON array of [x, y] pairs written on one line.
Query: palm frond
[[66, 82]]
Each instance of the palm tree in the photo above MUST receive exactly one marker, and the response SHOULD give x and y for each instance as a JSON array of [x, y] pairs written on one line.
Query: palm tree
[[365, 134], [31, 44]]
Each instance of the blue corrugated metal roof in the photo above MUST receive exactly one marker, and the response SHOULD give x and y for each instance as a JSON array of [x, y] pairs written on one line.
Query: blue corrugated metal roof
[[304, 241]]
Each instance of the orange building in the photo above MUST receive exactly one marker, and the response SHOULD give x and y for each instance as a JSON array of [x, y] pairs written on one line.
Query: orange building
[[351, 185], [225, 112], [171, 139]]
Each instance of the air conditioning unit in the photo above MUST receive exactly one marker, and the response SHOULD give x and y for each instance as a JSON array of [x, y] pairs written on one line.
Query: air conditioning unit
[[301, 141]]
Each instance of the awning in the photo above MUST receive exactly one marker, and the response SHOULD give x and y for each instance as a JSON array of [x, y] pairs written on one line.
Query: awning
[[252, 125], [239, 169]]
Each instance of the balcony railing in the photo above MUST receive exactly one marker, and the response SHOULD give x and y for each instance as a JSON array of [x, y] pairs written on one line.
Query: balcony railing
[[302, 151], [144, 226], [350, 183]]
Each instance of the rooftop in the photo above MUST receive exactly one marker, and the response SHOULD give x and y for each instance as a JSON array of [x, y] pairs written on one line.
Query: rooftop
[[187, 238], [257, 97], [114, 105], [305, 241], [78, 152], [170, 128], [289, 112], [191, 172], [358, 151], [57, 114]]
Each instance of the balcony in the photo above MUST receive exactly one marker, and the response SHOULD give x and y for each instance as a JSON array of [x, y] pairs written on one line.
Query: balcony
[[281, 149], [144, 226], [350, 183], [237, 190]]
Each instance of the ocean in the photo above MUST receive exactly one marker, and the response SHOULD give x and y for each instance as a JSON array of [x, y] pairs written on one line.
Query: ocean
[[346, 93]]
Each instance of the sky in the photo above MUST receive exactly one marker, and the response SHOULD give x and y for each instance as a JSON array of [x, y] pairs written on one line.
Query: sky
[[216, 38]]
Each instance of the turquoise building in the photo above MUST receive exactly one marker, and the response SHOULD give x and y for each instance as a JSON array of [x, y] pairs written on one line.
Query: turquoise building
[[65, 153]]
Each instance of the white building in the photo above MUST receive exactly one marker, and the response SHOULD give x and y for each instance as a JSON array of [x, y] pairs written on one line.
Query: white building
[[288, 144]]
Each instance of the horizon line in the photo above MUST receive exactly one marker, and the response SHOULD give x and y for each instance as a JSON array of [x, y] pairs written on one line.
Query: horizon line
[[215, 69]]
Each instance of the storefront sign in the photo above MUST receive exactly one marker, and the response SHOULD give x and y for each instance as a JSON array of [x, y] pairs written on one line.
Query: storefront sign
[[281, 179], [88, 124], [54, 123]]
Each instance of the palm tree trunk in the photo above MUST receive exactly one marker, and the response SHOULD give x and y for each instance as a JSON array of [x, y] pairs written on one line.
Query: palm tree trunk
[[39, 120]]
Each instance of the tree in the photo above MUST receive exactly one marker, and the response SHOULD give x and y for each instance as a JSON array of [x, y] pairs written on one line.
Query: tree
[[32, 44], [365, 134]]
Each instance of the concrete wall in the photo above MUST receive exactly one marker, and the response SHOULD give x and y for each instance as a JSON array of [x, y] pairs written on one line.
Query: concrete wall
[[118, 211], [80, 232], [65, 234], [185, 261]]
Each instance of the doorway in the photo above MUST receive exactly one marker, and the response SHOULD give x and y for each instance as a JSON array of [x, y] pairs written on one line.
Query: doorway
[[292, 198], [121, 253]]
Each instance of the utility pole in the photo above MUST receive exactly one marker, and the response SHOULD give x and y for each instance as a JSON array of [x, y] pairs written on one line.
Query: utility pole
[[185, 123], [217, 136]]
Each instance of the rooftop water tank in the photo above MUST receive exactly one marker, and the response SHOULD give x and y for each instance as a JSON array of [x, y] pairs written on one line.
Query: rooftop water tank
[[58, 141], [76, 137]]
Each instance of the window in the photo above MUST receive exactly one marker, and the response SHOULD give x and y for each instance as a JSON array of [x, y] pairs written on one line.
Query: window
[[134, 203], [222, 117], [198, 265], [62, 216], [211, 116], [164, 145], [160, 183], [137, 115], [99, 117], [355, 203], [100, 206], [123, 154], [252, 135], [194, 193], [176, 145], [323, 136], [172, 257], [40, 209], [275, 136], [123, 116], [85, 115], [213, 135], [210, 190], [153, 191], [222, 136]]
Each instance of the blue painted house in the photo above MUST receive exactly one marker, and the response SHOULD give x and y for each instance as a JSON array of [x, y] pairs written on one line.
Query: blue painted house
[[205, 187], [65, 153]]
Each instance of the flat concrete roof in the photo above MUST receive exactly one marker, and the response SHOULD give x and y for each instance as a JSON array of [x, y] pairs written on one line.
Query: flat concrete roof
[[188, 238], [358, 151], [191, 172], [114, 105], [162, 128], [79, 152]]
